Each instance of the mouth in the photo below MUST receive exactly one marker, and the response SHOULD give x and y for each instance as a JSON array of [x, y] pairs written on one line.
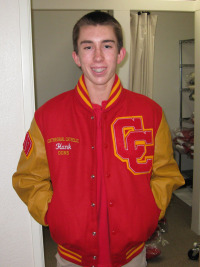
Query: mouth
[[98, 70]]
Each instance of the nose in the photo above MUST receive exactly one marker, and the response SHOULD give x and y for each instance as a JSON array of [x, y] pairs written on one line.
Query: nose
[[98, 55]]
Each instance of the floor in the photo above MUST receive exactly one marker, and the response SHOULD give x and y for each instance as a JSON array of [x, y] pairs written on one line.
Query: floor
[[179, 236], [185, 194]]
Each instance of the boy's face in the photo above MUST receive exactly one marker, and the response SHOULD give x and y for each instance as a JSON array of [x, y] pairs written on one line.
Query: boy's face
[[98, 55]]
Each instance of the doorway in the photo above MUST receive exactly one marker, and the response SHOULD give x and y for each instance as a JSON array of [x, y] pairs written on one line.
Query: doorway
[[55, 71]]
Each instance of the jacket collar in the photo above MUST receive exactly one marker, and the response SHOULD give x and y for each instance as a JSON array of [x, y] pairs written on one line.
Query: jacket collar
[[114, 94]]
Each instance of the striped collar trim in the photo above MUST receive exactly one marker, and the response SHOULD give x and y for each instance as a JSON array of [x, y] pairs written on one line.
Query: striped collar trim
[[114, 94]]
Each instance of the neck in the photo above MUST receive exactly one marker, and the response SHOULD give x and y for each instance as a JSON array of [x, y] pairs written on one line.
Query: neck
[[99, 93], [97, 97]]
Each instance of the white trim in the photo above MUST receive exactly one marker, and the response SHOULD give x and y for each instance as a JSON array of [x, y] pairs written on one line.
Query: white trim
[[38, 247], [196, 181], [29, 108], [153, 5], [197, 5], [27, 61]]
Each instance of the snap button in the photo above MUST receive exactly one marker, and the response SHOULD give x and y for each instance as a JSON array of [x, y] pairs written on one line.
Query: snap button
[[94, 233], [94, 257], [92, 176], [113, 232], [92, 117], [111, 204], [93, 204]]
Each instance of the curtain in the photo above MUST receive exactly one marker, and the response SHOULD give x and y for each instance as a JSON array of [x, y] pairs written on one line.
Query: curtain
[[143, 27]]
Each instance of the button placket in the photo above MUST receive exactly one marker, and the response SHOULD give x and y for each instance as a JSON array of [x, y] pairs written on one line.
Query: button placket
[[92, 118], [92, 177]]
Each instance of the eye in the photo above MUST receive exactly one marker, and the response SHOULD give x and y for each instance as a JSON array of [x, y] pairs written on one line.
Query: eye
[[87, 48], [108, 46]]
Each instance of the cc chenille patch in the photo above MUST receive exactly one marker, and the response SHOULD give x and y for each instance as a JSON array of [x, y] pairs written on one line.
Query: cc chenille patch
[[28, 145]]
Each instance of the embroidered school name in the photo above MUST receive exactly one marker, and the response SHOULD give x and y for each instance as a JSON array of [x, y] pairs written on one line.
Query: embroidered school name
[[63, 145], [62, 139]]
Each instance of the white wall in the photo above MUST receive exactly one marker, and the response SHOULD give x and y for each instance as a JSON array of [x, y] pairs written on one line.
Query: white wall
[[15, 223]]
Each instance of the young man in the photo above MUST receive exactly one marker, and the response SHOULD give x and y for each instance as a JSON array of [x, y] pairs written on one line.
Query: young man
[[97, 165]]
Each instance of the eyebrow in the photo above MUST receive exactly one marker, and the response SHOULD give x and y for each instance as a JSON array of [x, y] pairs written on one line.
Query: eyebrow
[[90, 42]]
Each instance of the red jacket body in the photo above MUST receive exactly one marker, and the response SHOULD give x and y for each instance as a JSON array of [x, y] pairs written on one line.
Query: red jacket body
[[58, 169]]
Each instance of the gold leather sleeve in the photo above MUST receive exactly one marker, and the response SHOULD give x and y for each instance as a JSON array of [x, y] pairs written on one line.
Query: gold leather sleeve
[[31, 181], [166, 176]]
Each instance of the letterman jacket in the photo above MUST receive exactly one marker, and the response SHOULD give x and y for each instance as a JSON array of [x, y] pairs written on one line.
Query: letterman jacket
[[56, 174]]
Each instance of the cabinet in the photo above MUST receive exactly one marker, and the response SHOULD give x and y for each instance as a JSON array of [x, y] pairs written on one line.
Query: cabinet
[[184, 135]]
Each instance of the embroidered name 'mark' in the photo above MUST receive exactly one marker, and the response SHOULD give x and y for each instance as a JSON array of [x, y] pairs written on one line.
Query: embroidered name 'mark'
[[132, 143]]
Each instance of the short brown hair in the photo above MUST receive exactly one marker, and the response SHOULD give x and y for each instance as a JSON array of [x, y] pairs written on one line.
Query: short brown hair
[[97, 18]]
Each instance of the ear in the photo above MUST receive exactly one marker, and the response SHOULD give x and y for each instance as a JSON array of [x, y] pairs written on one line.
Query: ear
[[76, 59], [121, 55]]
